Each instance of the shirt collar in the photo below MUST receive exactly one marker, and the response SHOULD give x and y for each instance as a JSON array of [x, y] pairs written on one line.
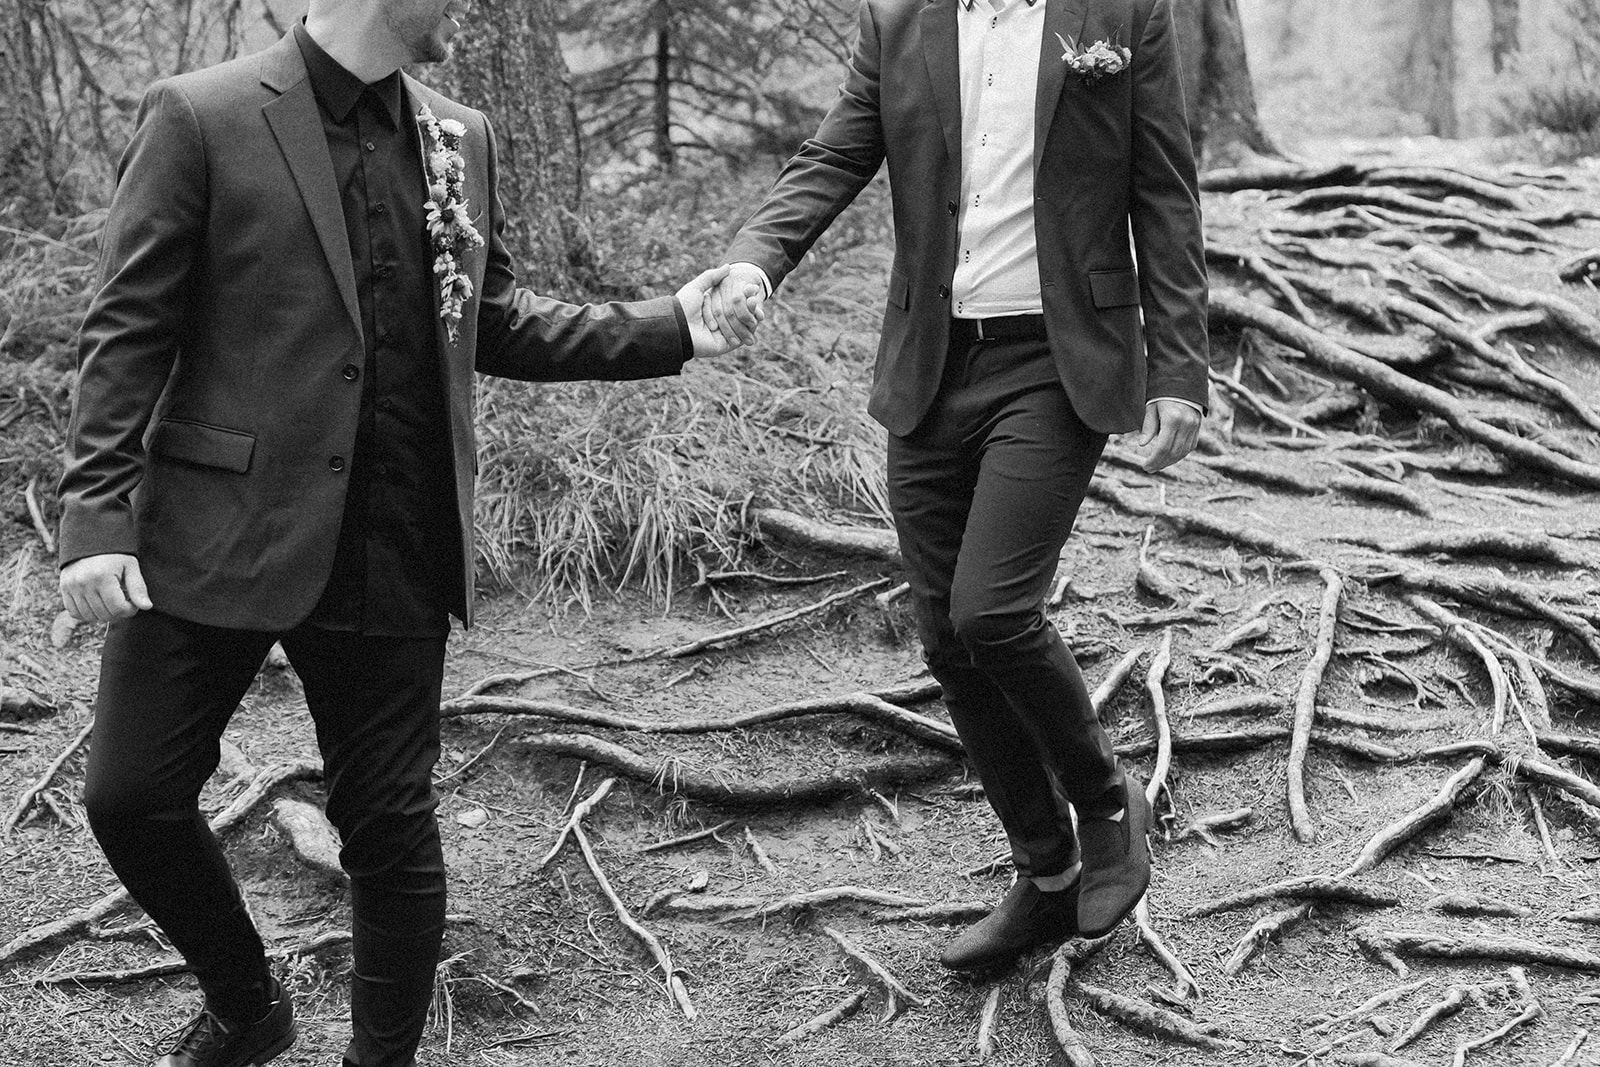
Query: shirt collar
[[337, 89], [968, 4]]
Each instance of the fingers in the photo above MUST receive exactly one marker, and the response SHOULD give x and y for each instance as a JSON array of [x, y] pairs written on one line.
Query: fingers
[[1152, 425], [1179, 430], [734, 315], [92, 589], [133, 584]]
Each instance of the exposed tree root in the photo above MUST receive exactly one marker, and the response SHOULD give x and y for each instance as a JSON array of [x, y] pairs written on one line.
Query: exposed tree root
[[40, 936], [1265, 929], [1145, 1017], [1262, 474], [1415, 205], [311, 837], [1475, 906], [768, 907], [579, 813], [1317, 888], [986, 1022], [1305, 708], [896, 989], [686, 839], [1242, 704], [1120, 673], [832, 1017], [1382, 492], [1531, 1010], [1517, 546], [1494, 593], [1455, 998], [670, 775], [28, 796], [883, 707], [1367, 1007], [955, 914], [1373, 1059], [1570, 1056], [1562, 313], [1072, 1047], [677, 991], [793, 529], [1431, 944], [1203, 826], [1229, 309], [1416, 820], [1264, 408], [1191, 520]]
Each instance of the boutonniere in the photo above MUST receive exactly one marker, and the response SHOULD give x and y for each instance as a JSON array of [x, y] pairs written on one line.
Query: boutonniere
[[450, 227], [1095, 62]]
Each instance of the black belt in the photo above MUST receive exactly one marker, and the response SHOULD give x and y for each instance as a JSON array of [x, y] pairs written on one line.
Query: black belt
[[1000, 328]]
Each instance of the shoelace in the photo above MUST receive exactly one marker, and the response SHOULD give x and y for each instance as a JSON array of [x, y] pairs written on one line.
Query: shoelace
[[198, 1035]]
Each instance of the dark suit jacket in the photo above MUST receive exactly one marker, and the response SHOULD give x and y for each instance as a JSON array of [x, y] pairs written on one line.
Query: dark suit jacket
[[1107, 158], [212, 428]]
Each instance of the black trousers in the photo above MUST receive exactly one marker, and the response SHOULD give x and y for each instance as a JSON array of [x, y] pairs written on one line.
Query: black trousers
[[167, 690], [984, 493]]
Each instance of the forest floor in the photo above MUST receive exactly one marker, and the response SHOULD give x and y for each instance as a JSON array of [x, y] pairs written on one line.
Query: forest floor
[[538, 970]]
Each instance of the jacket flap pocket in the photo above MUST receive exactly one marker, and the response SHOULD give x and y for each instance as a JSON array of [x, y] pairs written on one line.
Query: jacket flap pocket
[[209, 446], [1114, 288], [899, 289]]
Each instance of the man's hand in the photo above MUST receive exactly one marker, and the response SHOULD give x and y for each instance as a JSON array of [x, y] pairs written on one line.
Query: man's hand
[[1174, 427], [709, 339], [102, 588], [734, 307]]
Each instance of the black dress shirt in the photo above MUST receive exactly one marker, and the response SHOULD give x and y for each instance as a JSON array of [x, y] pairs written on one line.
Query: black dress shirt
[[399, 543]]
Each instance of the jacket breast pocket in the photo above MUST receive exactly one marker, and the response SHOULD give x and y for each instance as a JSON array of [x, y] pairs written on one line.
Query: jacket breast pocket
[[1114, 288], [203, 444], [899, 289]]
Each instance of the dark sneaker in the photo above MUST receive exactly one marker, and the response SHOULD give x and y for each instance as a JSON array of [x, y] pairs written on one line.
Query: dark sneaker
[[1116, 863], [1024, 919], [208, 1041]]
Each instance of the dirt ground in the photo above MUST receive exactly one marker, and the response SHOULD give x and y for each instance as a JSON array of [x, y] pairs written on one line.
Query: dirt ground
[[539, 971]]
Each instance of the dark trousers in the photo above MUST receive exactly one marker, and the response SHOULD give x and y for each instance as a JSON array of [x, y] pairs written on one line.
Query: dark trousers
[[167, 691], [984, 493]]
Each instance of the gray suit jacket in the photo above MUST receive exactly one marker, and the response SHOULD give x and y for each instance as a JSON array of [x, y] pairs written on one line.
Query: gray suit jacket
[[212, 426], [1109, 159]]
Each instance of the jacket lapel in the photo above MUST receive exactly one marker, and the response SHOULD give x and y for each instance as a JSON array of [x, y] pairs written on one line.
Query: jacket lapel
[[942, 53], [1066, 18], [297, 125]]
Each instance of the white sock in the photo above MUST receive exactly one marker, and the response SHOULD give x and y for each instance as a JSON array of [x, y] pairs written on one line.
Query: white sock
[[1118, 816], [1054, 883]]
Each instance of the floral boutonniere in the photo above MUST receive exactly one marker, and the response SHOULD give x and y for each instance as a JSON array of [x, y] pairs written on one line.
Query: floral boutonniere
[[449, 226], [1095, 62]]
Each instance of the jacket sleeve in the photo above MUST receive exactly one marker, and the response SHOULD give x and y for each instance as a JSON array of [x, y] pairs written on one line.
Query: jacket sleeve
[[132, 331], [534, 338], [1164, 208], [828, 171]]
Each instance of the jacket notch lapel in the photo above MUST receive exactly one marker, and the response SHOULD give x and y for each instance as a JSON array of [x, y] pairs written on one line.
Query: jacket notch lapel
[[1069, 21], [297, 126], [942, 52]]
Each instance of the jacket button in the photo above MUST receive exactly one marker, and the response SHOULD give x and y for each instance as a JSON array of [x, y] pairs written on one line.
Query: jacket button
[[944, 292], [336, 463], [351, 372], [951, 207]]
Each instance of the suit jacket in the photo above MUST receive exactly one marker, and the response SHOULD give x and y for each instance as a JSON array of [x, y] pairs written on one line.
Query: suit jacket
[[213, 424], [1108, 159]]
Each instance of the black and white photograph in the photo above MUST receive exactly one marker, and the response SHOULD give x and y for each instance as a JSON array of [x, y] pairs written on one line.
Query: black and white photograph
[[878, 533]]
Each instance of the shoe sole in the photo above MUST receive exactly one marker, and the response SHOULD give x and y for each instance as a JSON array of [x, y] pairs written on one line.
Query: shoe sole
[[277, 1048]]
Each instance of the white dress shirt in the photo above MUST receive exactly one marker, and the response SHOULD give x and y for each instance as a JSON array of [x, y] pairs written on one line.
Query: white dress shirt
[[997, 257]]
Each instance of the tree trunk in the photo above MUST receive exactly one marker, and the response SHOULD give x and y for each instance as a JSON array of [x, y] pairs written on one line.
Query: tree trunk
[[509, 65], [1505, 37], [1221, 100], [27, 178], [666, 157], [1433, 66]]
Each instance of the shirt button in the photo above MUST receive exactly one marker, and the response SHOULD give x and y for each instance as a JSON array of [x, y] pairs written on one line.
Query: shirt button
[[944, 292], [386, 404], [336, 463], [378, 209], [351, 372], [951, 207], [383, 470], [371, 147], [383, 270]]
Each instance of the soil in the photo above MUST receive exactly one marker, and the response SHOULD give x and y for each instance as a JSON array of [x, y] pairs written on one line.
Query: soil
[[586, 993]]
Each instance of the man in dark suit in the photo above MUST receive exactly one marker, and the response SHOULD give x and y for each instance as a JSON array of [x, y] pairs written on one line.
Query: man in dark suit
[[1027, 141], [272, 439]]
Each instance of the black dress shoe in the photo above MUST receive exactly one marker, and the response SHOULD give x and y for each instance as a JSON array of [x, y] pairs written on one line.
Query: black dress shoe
[[1025, 918], [208, 1041], [1116, 863]]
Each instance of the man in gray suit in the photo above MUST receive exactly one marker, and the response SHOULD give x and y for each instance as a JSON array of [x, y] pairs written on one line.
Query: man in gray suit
[[1048, 289], [272, 440]]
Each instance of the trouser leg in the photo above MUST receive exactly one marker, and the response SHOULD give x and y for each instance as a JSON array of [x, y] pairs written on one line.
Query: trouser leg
[[375, 702], [167, 690]]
